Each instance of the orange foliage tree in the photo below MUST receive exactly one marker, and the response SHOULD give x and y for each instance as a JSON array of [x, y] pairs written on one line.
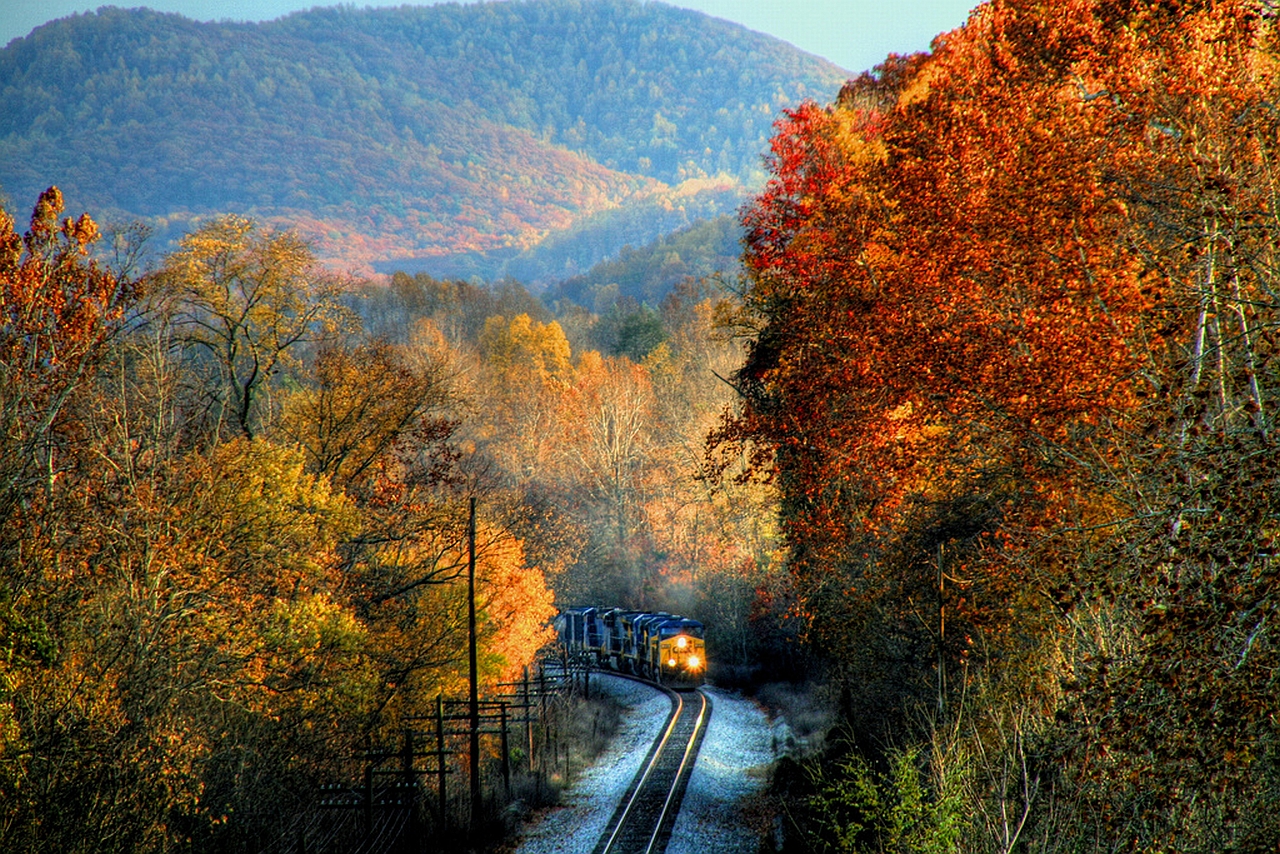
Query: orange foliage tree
[[1010, 313], [59, 311], [58, 307], [930, 333]]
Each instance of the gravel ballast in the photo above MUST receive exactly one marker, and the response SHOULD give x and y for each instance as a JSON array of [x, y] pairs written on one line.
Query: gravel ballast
[[732, 765]]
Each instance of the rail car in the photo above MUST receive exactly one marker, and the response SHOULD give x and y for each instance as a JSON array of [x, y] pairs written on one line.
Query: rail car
[[666, 648]]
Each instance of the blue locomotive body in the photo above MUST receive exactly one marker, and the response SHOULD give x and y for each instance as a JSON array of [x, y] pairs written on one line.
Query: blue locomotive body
[[666, 648]]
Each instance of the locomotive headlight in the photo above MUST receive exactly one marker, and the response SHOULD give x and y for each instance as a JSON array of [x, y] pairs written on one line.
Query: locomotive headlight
[[694, 662], [671, 662], [682, 642]]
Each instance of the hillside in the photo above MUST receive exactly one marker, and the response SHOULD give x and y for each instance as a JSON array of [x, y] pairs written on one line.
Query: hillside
[[391, 135], [646, 274]]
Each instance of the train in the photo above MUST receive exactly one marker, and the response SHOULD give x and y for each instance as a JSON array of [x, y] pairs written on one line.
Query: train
[[667, 648]]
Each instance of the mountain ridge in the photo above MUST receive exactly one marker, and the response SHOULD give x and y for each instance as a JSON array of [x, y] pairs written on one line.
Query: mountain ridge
[[413, 133]]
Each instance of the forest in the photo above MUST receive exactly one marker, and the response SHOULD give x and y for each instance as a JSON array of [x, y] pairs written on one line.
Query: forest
[[235, 494], [970, 463], [410, 134], [1012, 320]]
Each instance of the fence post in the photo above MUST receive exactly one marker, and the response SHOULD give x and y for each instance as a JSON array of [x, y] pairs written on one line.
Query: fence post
[[506, 754], [440, 767], [547, 746], [542, 692], [528, 716], [368, 800], [409, 796], [406, 757]]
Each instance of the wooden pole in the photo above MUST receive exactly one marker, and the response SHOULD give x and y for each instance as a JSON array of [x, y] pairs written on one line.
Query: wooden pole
[[368, 801], [406, 757], [471, 655], [506, 752], [440, 768], [942, 635], [528, 718]]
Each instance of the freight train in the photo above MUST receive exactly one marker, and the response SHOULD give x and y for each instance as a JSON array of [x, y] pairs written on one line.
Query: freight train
[[666, 648]]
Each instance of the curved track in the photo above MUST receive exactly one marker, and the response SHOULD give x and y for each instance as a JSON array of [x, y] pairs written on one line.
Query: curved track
[[643, 821]]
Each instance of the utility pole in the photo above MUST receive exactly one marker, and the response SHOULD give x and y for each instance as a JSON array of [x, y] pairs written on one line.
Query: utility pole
[[471, 654], [441, 770]]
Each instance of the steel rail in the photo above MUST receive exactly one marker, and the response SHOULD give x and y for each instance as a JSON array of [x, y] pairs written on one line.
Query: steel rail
[[677, 706], [639, 797], [690, 752]]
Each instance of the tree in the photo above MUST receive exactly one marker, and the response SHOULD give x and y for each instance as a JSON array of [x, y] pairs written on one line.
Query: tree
[[420, 627], [526, 368], [630, 330], [202, 655], [58, 309], [59, 312], [1191, 88], [610, 446], [1010, 325], [244, 300], [928, 333], [363, 405]]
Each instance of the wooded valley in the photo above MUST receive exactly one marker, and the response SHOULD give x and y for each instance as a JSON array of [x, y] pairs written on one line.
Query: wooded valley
[[235, 494], [976, 454]]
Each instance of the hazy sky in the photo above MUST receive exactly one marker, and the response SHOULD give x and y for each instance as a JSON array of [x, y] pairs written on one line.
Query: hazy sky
[[854, 34]]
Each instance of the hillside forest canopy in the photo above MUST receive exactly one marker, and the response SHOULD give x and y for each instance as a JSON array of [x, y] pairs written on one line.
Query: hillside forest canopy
[[977, 454], [453, 139]]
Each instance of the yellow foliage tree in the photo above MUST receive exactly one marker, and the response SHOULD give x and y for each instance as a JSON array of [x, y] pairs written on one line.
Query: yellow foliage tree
[[419, 623], [525, 367], [243, 300], [361, 405]]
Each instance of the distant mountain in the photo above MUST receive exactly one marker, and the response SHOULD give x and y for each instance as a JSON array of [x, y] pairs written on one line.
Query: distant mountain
[[646, 274], [463, 136], [593, 241]]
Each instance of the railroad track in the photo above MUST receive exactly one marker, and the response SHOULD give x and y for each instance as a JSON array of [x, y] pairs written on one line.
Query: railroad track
[[643, 821]]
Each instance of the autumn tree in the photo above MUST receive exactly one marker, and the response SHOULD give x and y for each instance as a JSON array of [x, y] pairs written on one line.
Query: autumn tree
[[380, 420], [714, 546], [362, 405], [614, 413], [418, 620], [1009, 318], [59, 308], [244, 300], [618, 404], [524, 368], [200, 656], [1187, 90], [927, 333]]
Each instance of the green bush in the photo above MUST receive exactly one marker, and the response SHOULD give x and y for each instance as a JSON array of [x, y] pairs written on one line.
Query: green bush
[[906, 808]]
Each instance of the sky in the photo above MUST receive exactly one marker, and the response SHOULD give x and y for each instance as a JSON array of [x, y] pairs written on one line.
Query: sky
[[854, 34]]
